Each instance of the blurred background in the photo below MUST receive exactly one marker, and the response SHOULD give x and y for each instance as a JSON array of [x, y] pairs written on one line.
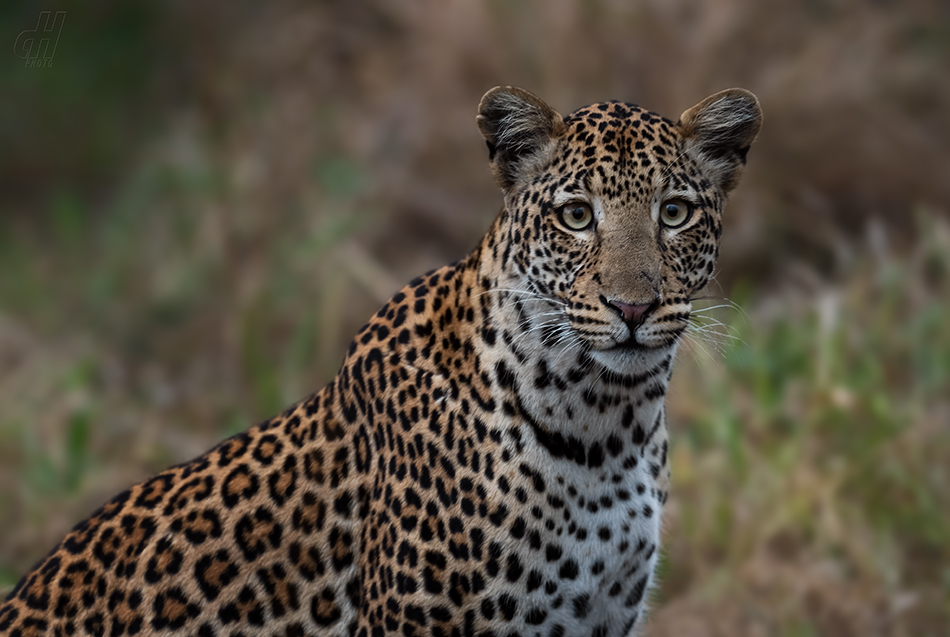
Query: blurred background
[[200, 203]]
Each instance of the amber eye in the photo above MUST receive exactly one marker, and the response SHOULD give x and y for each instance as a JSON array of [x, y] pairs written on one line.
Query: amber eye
[[675, 212], [576, 216]]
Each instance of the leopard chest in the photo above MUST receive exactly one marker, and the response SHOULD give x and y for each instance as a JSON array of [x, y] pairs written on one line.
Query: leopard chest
[[581, 543]]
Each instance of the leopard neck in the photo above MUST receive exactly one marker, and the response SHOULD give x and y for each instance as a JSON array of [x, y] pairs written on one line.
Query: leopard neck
[[577, 402]]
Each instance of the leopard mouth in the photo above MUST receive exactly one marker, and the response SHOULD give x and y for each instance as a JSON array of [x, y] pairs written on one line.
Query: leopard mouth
[[628, 345], [632, 345], [634, 342], [655, 341]]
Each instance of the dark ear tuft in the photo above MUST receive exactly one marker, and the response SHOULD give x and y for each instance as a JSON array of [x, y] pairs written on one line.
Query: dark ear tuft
[[517, 125], [719, 131]]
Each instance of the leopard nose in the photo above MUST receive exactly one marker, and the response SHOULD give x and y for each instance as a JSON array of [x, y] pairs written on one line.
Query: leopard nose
[[632, 313]]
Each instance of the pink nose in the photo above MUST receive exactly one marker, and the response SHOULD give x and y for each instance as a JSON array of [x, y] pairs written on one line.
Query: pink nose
[[632, 314]]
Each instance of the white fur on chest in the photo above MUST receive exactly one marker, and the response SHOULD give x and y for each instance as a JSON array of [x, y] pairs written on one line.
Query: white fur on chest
[[588, 539]]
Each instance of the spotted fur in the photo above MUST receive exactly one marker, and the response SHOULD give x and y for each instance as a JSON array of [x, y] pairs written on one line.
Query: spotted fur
[[491, 459]]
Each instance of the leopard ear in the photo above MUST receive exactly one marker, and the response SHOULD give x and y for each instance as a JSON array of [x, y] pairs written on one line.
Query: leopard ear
[[518, 126], [719, 130]]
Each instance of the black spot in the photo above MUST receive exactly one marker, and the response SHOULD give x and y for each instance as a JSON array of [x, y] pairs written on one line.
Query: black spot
[[240, 484], [343, 504], [506, 378], [172, 610], [515, 569], [581, 606], [507, 606], [214, 572], [595, 456], [636, 594], [568, 570], [536, 616], [534, 580], [432, 585], [323, 608], [253, 533], [614, 445], [267, 449]]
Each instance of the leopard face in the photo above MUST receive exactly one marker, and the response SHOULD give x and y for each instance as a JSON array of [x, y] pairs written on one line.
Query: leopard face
[[491, 458], [615, 213]]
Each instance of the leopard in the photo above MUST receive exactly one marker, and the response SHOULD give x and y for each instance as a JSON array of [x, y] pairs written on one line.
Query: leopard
[[492, 458]]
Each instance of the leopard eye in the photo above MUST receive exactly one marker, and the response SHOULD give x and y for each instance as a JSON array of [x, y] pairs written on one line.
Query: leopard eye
[[576, 216], [675, 212]]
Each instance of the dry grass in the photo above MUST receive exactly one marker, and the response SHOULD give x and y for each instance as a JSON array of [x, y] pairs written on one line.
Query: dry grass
[[811, 460], [247, 183]]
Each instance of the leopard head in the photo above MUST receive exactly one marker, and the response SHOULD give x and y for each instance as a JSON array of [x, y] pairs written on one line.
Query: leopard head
[[613, 214]]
